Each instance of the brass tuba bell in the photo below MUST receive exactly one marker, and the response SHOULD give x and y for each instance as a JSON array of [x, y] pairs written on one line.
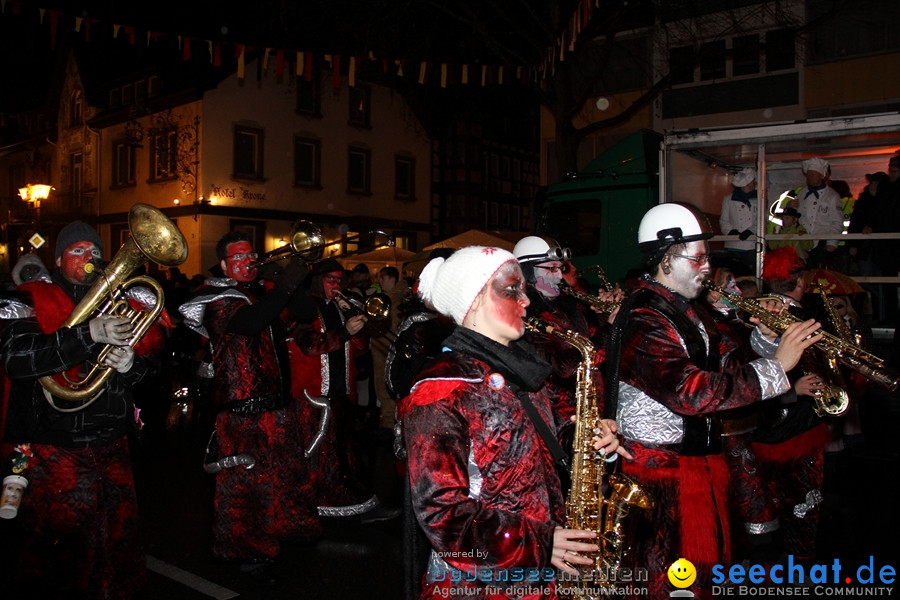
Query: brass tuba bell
[[153, 237]]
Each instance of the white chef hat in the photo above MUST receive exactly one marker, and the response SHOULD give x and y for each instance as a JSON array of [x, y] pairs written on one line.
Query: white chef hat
[[743, 177], [815, 164]]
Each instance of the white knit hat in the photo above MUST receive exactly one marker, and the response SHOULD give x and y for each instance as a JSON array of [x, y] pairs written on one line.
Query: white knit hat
[[743, 177], [451, 285], [815, 164]]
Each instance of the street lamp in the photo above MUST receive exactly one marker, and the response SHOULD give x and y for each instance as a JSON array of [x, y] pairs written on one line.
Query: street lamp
[[35, 192]]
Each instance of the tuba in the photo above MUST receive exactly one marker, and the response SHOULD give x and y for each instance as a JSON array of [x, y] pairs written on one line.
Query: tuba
[[153, 237], [586, 506]]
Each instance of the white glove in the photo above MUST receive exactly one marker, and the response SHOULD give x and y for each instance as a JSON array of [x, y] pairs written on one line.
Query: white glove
[[106, 329], [121, 359]]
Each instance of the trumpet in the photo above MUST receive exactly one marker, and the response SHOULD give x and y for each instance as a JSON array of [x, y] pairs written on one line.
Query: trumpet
[[833, 347], [308, 242], [376, 307]]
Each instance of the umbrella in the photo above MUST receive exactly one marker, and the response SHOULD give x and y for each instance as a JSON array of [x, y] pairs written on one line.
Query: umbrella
[[833, 282], [380, 257], [472, 237]]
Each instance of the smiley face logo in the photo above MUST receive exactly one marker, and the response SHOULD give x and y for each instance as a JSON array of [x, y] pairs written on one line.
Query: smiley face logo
[[682, 573]]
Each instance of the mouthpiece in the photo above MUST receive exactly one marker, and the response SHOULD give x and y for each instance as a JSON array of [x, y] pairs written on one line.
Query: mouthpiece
[[89, 268]]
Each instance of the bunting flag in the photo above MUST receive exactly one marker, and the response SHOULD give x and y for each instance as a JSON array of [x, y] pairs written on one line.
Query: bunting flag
[[450, 73]]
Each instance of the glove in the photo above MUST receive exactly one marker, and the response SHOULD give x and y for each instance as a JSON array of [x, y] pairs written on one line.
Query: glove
[[293, 275], [107, 329], [269, 271], [733, 232], [121, 359], [745, 234]]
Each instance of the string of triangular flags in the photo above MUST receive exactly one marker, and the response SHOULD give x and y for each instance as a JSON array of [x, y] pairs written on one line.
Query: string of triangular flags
[[304, 61]]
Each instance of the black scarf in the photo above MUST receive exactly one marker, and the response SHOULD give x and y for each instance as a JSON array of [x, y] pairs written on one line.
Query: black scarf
[[517, 362]]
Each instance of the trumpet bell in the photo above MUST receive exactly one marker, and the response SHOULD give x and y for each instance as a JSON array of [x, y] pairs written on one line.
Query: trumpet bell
[[378, 307]]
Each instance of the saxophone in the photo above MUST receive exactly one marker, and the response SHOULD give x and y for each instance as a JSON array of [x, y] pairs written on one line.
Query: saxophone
[[602, 306], [586, 505], [833, 349]]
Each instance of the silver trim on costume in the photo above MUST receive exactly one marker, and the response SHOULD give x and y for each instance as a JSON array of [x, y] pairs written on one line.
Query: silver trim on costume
[[350, 510], [228, 462], [760, 528], [813, 499], [14, 309], [194, 310], [324, 404], [475, 477], [773, 381], [644, 420], [141, 294], [761, 344]]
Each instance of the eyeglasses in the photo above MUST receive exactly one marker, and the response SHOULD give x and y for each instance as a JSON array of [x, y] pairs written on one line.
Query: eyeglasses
[[699, 259], [332, 279], [553, 269], [95, 252], [243, 255]]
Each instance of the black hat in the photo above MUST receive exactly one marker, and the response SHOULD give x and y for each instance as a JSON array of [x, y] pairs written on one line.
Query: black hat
[[361, 268], [329, 265], [790, 212], [74, 232], [877, 176]]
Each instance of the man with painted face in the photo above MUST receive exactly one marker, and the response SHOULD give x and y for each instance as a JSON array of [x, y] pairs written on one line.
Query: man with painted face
[[80, 509], [325, 366], [262, 493], [542, 262], [669, 372]]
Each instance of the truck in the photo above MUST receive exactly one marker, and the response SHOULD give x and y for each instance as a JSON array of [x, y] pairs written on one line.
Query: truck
[[596, 212]]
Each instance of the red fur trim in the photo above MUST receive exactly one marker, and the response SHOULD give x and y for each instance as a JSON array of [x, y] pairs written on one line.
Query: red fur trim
[[804, 444], [427, 392], [52, 306]]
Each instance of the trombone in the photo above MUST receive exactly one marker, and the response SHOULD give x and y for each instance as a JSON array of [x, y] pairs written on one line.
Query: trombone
[[307, 242], [377, 307]]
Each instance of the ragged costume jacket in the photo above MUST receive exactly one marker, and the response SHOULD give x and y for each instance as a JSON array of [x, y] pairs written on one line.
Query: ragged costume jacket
[[38, 346], [250, 370], [676, 373], [484, 485]]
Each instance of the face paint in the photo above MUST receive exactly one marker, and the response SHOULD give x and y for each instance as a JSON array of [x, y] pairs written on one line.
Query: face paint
[[331, 283], [239, 264], [547, 277], [74, 258], [687, 275], [505, 304]]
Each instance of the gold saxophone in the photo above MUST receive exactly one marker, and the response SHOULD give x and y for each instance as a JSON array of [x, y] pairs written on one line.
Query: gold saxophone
[[586, 506], [833, 350], [602, 306]]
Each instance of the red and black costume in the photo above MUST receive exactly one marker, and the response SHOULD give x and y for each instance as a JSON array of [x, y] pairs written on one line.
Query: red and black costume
[[80, 509], [325, 368], [255, 508], [484, 484], [677, 372]]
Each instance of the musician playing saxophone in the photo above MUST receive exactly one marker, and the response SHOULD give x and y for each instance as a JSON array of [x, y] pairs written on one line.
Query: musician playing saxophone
[[80, 508], [542, 261], [483, 483], [669, 373], [790, 444]]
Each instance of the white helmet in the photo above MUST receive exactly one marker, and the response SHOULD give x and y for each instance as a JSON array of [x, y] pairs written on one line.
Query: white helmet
[[672, 223], [538, 249]]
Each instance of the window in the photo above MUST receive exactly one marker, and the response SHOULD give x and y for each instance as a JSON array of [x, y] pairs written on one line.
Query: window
[[745, 53], [115, 98], [358, 174], [140, 90], [309, 100], [681, 64], [164, 155], [153, 85], [76, 178], [75, 108], [307, 159], [248, 152], [123, 164], [127, 94], [780, 50], [712, 60], [359, 107], [404, 178]]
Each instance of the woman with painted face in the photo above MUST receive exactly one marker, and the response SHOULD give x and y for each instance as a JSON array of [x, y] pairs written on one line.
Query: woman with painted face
[[255, 509], [484, 485], [324, 369]]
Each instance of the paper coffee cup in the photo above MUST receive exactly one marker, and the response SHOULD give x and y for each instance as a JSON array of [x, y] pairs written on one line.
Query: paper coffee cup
[[11, 496]]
